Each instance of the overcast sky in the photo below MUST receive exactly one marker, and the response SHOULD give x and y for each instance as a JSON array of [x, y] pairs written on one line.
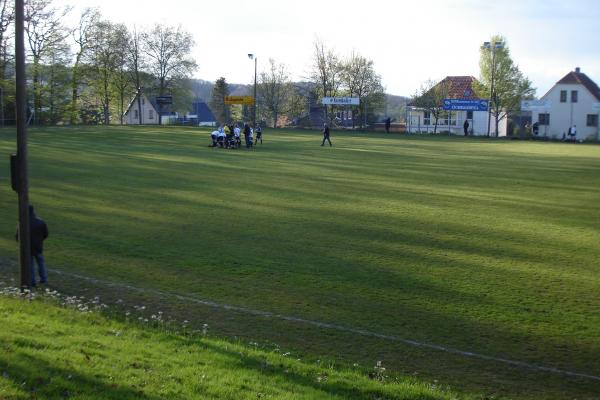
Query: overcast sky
[[409, 41]]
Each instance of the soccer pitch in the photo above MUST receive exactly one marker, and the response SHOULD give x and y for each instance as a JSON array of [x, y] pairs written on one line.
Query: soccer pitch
[[483, 246]]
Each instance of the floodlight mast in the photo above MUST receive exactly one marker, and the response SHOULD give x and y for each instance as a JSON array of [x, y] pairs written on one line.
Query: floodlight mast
[[21, 117], [253, 57]]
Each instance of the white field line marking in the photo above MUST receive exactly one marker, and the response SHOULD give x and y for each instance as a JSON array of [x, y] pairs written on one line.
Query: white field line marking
[[341, 328]]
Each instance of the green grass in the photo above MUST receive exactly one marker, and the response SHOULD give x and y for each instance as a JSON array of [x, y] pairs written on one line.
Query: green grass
[[72, 355], [481, 245]]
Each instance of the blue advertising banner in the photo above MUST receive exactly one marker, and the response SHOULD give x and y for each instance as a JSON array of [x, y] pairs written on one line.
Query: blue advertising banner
[[465, 105]]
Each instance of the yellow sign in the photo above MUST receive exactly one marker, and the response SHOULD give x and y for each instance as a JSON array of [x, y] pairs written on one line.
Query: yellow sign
[[246, 100]]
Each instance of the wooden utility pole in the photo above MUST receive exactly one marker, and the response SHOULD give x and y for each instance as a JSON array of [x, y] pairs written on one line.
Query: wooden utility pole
[[23, 184]]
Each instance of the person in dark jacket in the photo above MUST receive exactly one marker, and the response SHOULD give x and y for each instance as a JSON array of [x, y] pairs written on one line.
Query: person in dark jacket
[[388, 123], [326, 135], [248, 135], [466, 127], [38, 232]]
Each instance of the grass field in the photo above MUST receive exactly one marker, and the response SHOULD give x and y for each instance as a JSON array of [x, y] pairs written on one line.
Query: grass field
[[480, 245], [85, 356]]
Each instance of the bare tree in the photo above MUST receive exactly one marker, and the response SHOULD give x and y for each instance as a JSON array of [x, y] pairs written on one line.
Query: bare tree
[[360, 79], [136, 64], [430, 98], [274, 88], [168, 53], [45, 32], [326, 72], [82, 35]]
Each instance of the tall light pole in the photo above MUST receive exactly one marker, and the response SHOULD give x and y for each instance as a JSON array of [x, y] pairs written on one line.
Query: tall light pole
[[253, 57], [492, 46], [21, 164]]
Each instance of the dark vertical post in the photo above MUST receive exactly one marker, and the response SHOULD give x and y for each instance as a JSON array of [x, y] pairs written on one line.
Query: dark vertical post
[[24, 240], [255, 99]]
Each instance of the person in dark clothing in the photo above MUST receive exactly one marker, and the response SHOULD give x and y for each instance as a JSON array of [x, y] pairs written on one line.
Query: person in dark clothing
[[38, 232], [326, 135], [466, 127], [536, 128], [388, 123], [247, 135], [258, 135]]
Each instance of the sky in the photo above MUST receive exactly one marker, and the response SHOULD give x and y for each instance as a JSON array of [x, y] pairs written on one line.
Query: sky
[[409, 42]]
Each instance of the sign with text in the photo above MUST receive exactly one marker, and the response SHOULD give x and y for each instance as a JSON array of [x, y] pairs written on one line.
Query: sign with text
[[465, 105], [341, 101], [164, 99], [535, 105], [245, 100]]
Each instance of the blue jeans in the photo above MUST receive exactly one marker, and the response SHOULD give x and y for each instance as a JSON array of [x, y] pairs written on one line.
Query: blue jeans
[[39, 258]]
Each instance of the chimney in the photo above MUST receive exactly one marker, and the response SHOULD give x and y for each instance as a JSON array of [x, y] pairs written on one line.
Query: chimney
[[578, 70]]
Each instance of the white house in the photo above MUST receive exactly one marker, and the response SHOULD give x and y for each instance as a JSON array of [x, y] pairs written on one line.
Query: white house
[[149, 111], [459, 87], [573, 101]]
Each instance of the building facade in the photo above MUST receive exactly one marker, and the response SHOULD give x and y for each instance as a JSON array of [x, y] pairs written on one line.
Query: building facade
[[574, 101], [452, 122]]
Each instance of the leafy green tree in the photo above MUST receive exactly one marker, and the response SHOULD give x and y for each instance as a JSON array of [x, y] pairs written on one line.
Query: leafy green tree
[[510, 85], [106, 55], [217, 104]]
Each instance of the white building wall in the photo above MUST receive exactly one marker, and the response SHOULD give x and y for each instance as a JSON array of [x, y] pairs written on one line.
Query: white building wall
[[564, 115], [478, 124], [149, 114]]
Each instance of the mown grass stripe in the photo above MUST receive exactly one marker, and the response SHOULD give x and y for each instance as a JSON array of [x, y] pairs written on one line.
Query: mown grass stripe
[[326, 325]]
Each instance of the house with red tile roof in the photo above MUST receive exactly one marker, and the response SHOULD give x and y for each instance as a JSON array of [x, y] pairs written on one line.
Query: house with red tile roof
[[574, 101], [458, 87]]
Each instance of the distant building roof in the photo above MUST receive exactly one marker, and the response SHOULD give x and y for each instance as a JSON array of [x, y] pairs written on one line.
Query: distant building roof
[[578, 77], [460, 87], [203, 113]]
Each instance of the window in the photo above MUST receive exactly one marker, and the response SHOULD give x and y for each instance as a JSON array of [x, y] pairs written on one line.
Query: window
[[469, 114], [592, 120], [427, 118], [448, 119], [573, 96], [150, 114], [563, 96], [136, 114], [544, 119]]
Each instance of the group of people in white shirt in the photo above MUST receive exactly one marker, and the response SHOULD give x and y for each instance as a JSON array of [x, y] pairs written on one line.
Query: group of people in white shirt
[[229, 136]]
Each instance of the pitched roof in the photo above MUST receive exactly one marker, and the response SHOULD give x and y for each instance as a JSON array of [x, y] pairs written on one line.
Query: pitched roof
[[204, 113], [460, 87], [578, 77]]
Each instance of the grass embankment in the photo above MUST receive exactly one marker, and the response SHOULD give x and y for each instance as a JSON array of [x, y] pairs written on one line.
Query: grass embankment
[[485, 246], [51, 352]]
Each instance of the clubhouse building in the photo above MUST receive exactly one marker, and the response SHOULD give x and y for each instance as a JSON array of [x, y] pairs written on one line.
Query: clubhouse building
[[458, 87]]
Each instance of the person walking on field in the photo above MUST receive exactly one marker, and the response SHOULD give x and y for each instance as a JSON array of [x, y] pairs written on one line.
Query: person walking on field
[[38, 232], [466, 127], [258, 135], [326, 135]]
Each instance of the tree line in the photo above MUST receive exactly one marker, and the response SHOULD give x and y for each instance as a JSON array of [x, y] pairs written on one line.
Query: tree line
[[331, 75], [93, 79], [88, 73]]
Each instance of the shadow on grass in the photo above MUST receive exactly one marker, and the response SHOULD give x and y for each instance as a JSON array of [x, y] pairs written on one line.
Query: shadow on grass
[[40, 379]]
